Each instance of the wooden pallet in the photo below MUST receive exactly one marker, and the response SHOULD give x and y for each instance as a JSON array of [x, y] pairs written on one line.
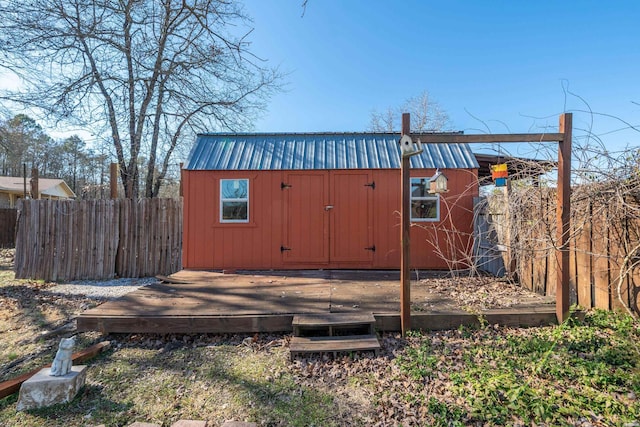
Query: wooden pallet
[[333, 333]]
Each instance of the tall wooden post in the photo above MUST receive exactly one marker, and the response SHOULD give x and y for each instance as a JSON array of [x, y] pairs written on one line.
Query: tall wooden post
[[35, 188], [113, 180], [563, 211], [24, 177], [181, 187], [405, 272]]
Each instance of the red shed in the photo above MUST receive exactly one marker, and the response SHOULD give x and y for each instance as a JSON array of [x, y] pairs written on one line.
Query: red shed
[[322, 200]]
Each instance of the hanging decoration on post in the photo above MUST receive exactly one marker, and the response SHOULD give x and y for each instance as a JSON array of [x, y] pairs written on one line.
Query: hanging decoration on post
[[408, 147], [438, 183], [499, 174]]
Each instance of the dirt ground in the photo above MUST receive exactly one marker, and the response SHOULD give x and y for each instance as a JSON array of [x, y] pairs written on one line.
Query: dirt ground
[[32, 320]]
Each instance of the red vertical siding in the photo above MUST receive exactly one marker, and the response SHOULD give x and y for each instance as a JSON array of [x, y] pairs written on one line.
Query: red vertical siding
[[452, 236], [386, 219], [198, 234], [208, 244], [306, 222], [455, 225], [184, 183], [351, 231]]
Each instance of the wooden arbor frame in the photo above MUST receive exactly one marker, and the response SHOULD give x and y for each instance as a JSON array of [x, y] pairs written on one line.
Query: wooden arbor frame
[[563, 206]]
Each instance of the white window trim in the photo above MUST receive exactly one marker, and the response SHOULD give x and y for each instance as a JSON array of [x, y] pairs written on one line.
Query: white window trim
[[222, 200], [435, 197]]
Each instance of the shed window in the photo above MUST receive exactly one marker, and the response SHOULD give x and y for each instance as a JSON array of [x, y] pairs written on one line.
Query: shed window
[[424, 205], [234, 200]]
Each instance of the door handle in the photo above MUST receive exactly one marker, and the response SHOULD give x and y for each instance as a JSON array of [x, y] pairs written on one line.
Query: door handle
[[328, 207]]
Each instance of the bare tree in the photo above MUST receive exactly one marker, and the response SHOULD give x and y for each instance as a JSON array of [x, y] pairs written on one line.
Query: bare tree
[[385, 121], [147, 73], [426, 115]]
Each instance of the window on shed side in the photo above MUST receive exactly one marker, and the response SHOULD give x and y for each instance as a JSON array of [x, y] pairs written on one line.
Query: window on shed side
[[234, 200], [424, 205]]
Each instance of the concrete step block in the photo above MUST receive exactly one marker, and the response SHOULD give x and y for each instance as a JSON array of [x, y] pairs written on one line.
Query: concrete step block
[[189, 423], [42, 390]]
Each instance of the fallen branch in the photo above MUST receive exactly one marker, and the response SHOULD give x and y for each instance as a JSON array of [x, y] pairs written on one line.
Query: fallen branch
[[167, 279], [67, 327], [12, 386]]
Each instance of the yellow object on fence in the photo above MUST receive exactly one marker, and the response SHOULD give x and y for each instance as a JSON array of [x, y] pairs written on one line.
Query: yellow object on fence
[[499, 171]]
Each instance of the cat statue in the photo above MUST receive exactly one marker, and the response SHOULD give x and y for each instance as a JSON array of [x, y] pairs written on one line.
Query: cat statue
[[62, 362]]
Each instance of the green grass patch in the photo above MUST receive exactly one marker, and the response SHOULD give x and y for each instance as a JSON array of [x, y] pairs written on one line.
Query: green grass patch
[[215, 383], [486, 375], [419, 362], [533, 376]]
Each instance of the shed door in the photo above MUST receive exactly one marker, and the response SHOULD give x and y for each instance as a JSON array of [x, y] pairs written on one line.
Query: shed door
[[307, 223], [351, 217], [328, 217]]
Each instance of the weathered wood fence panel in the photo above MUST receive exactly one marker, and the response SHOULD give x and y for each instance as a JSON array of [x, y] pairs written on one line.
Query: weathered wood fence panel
[[603, 273], [150, 237], [8, 227], [98, 239], [486, 248]]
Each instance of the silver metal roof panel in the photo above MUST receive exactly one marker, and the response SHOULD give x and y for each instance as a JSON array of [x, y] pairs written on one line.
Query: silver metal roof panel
[[301, 151]]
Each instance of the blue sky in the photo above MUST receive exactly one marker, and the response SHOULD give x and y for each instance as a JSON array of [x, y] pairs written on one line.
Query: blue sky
[[506, 63]]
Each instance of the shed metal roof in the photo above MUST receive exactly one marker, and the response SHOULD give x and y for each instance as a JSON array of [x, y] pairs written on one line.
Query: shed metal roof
[[302, 151]]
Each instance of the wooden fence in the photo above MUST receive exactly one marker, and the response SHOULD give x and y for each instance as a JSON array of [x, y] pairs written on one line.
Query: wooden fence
[[98, 239], [602, 270], [8, 227], [489, 251]]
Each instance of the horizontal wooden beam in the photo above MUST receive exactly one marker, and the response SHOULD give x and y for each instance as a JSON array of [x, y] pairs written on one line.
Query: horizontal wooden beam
[[199, 324], [449, 138], [516, 317], [216, 324]]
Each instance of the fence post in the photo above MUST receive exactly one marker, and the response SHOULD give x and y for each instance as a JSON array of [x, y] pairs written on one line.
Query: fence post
[[181, 187], [563, 212], [405, 209], [24, 178], [113, 181], [35, 190]]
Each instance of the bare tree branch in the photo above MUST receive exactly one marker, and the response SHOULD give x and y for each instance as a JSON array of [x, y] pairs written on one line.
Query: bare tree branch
[[141, 68], [426, 115]]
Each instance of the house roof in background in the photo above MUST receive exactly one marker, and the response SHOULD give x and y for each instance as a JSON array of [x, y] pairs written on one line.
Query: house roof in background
[[518, 167], [46, 186], [304, 151]]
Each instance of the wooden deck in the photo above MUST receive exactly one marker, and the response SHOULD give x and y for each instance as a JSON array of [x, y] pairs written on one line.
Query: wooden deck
[[208, 302]]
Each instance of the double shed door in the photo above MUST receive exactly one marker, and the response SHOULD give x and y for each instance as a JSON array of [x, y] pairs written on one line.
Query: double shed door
[[328, 217]]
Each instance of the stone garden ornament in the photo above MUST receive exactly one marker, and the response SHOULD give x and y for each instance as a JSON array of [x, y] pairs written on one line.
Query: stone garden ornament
[[62, 362], [55, 385]]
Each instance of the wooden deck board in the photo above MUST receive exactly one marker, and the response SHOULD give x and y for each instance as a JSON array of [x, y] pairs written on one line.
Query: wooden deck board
[[199, 299], [248, 303]]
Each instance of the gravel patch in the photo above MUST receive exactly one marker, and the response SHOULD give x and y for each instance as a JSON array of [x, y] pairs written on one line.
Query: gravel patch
[[102, 290]]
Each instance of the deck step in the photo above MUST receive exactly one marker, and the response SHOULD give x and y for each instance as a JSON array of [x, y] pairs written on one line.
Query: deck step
[[333, 319], [331, 324], [305, 345]]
